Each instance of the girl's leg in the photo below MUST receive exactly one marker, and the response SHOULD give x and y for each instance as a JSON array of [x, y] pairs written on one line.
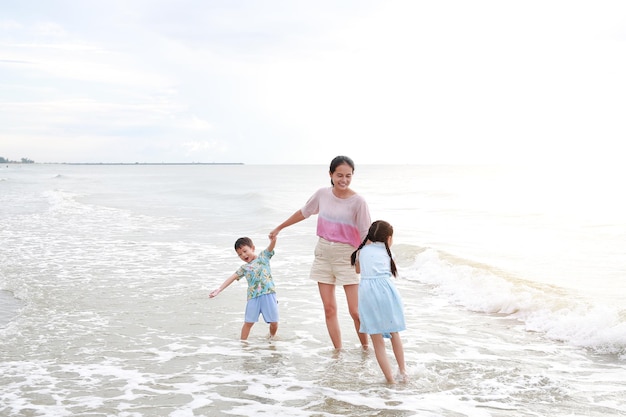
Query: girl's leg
[[273, 328], [352, 297], [245, 330], [398, 351], [327, 292], [381, 356]]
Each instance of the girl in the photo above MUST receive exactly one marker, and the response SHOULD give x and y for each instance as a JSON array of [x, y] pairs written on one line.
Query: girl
[[380, 306]]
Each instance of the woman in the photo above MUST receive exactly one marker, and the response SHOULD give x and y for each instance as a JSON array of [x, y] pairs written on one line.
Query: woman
[[342, 223]]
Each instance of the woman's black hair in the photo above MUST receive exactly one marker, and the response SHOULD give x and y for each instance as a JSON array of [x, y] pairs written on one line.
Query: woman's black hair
[[340, 160], [379, 231]]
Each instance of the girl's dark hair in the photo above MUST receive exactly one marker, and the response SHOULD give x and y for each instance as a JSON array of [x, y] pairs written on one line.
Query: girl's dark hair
[[379, 231], [340, 160], [243, 241]]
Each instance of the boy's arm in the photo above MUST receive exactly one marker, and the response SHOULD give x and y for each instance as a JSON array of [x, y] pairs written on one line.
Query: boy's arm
[[225, 284], [272, 243]]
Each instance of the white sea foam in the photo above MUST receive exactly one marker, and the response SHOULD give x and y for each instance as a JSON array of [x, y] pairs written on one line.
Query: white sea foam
[[561, 315]]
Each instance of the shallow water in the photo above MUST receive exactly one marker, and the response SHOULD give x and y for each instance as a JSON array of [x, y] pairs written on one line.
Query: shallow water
[[104, 290]]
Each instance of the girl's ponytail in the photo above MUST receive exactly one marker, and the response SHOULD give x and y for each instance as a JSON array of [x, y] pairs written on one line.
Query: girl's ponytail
[[353, 256]]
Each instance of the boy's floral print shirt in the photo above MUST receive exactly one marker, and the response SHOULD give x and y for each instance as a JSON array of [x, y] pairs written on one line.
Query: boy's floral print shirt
[[258, 274]]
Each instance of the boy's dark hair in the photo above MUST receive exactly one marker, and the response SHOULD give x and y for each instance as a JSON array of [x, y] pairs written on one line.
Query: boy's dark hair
[[243, 241]]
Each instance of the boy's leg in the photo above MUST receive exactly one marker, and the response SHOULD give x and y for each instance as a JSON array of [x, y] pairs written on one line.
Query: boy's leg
[[245, 330], [269, 309], [273, 328], [251, 316]]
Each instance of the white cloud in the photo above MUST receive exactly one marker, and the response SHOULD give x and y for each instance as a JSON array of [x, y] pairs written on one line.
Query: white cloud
[[298, 82]]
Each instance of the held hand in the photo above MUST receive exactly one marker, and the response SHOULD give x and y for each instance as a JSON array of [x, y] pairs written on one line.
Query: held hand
[[272, 244], [274, 234]]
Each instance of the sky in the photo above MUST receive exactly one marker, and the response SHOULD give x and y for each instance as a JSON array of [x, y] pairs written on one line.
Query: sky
[[299, 82]]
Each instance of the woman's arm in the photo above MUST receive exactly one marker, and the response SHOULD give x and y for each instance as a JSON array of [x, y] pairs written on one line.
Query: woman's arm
[[272, 243], [293, 219]]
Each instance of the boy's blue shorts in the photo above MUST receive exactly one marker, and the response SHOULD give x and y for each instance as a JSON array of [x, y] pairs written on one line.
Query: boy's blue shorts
[[265, 304]]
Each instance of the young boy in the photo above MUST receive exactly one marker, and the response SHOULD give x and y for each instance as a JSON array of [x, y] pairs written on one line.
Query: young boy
[[261, 292]]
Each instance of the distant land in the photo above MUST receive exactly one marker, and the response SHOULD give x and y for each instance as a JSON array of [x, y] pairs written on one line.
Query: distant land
[[146, 163], [4, 160], [122, 163]]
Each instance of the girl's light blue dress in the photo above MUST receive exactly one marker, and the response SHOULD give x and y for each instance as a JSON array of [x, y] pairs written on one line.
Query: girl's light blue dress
[[380, 305]]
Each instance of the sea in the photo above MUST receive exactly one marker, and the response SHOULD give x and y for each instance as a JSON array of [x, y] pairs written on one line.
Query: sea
[[513, 280]]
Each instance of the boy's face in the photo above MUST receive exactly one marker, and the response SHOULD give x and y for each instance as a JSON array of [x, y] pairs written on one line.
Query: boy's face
[[246, 253]]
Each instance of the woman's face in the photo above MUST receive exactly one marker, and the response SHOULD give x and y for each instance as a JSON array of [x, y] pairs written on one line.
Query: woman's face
[[342, 177]]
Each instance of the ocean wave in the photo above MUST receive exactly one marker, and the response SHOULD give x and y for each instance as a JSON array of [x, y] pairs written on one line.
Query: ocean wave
[[560, 314]]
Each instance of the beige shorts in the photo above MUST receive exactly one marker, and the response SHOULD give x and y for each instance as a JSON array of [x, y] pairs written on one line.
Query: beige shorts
[[332, 264]]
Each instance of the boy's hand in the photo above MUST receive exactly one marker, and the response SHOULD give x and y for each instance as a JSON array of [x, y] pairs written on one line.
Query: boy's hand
[[274, 234], [272, 242], [214, 293]]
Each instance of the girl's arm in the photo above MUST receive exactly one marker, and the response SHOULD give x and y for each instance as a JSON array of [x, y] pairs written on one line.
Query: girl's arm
[[225, 284]]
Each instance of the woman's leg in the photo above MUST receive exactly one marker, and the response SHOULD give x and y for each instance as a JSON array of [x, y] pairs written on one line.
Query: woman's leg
[[381, 356], [327, 292], [352, 297]]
